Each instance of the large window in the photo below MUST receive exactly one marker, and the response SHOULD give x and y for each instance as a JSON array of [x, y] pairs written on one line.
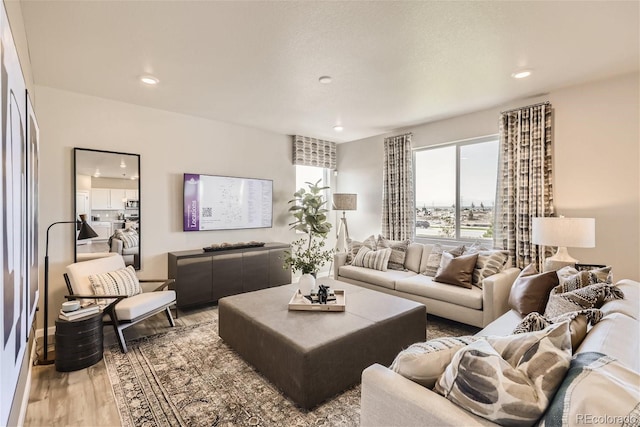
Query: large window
[[456, 189]]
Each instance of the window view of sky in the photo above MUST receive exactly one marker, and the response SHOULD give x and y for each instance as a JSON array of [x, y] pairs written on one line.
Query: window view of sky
[[436, 175]]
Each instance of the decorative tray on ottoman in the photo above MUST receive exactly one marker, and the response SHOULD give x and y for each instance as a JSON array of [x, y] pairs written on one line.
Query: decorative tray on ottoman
[[337, 305]]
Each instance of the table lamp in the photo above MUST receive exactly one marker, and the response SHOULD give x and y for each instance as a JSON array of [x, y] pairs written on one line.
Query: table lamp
[[84, 232], [563, 232], [344, 202]]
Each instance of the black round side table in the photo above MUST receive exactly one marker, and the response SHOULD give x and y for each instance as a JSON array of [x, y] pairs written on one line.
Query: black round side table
[[78, 343]]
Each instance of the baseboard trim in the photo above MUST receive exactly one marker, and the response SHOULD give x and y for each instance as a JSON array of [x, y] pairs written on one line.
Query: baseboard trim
[[27, 388]]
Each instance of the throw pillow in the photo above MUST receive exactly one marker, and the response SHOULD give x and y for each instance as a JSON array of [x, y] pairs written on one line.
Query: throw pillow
[[572, 279], [433, 262], [530, 291], [489, 263], [578, 321], [368, 258], [509, 380], [592, 296], [398, 252], [129, 237], [456, 270], [353, 246], [597, 389], [118, 282], [424, 362]]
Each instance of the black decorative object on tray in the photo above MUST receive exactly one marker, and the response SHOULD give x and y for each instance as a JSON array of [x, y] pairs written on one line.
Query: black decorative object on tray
[[324, 299], [322, 296], [226, 246]]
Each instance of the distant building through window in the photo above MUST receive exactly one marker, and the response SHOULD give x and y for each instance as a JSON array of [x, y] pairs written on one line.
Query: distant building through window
[[455, 189]]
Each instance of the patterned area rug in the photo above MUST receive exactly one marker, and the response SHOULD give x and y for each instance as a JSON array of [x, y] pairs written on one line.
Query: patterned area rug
[[188, 376]]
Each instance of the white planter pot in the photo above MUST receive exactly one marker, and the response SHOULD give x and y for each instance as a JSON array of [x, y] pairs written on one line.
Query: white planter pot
[[306, 284]]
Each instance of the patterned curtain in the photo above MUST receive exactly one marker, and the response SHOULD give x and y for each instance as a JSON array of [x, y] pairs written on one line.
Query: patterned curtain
[[398, 204], [314, 152], [524, 181]]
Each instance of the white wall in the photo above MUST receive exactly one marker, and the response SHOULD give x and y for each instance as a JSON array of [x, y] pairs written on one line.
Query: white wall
[[169, 144], [596, 152]]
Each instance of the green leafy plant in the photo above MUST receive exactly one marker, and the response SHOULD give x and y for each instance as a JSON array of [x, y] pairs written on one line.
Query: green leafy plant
[[308, 209]]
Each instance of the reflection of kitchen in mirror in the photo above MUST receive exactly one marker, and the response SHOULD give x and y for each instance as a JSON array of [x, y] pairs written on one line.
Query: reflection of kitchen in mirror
[[107, 188]]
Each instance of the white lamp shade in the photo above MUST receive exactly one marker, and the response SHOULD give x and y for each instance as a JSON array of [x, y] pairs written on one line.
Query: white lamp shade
[[564, 232]]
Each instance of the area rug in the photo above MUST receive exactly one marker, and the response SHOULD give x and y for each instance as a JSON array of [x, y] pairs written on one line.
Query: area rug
[[188, 376]]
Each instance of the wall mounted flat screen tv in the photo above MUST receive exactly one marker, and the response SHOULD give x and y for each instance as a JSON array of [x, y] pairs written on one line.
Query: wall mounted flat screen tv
[[214, 202]]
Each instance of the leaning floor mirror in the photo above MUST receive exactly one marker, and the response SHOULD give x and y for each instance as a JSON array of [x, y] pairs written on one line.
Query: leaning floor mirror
[[107, 192]]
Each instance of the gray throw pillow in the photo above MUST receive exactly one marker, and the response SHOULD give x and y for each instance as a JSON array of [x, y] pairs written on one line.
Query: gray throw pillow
[[398, 252], [489, 262], [509, 380], [456, 271], [433, 262], [353, 246], [424, 362]]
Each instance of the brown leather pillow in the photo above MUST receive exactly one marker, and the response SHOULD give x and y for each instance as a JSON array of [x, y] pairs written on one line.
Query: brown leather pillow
[[456, 270], [530, 291]]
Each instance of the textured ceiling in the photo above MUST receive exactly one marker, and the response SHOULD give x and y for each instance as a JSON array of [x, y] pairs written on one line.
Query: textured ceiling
[[393, 64]]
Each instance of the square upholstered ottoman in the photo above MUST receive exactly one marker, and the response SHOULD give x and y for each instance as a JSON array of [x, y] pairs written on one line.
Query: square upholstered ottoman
[[312, 356]]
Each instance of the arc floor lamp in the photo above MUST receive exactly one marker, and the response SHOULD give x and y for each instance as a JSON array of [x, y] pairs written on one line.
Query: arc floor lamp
[[84, 232]]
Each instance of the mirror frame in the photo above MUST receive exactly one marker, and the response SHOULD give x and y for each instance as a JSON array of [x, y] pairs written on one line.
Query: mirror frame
[[137, 265]]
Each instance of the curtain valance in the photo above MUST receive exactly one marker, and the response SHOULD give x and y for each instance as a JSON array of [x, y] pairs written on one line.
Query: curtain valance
[[314, 152]]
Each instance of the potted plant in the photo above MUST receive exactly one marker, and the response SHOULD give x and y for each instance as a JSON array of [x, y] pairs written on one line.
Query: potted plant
[[307, 253]]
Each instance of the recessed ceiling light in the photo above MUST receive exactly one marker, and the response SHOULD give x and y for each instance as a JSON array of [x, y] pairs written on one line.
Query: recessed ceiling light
[[338, 128], [149, 80], [521, 74], [325, 80], [123, 164]]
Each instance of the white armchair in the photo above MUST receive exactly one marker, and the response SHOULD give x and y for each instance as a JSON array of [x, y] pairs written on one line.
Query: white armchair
[[123, 311], [130, 254]]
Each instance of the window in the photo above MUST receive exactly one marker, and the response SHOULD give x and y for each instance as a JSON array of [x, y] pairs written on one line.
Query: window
[[456, 188], [311, 174]]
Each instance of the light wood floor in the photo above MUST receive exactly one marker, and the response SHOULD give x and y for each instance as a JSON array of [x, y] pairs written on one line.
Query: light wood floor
[[84, 397]]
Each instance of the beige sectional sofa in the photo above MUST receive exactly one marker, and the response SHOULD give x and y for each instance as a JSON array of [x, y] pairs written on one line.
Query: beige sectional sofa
[[475, 306], [389, 399]]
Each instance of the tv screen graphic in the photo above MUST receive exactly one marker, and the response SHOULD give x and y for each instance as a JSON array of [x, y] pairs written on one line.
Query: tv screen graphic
[[214, 202]]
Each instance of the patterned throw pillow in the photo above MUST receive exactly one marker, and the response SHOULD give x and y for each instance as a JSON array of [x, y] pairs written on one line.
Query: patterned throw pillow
[[456, 271], [598, 389], [577, 326], [368, 258], [353, 246], [489, 263], [424, 362], [572, 279], [118, 282], [433, 262], [398, 252], [509, 380], [592, 296], [129, 237]]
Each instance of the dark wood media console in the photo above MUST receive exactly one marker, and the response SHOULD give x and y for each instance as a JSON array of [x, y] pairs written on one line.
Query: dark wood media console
[[204, 277]]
